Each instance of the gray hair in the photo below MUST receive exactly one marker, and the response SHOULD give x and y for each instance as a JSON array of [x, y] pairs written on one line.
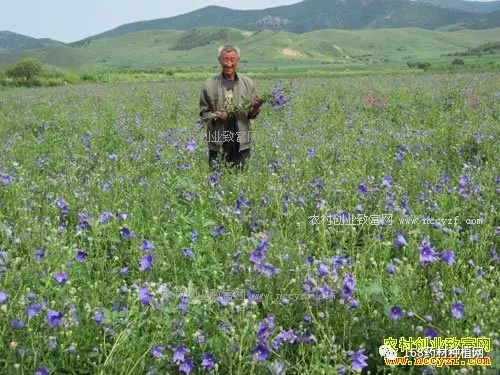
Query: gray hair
[[228, 48]]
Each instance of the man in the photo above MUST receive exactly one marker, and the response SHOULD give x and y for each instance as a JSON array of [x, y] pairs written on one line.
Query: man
[[228, 134]]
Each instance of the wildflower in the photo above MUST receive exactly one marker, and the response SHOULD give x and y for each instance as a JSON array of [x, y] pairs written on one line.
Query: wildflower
[[358, 359], [81, 256], [218, 231], [208, 361], [457, 310], [126, 233], [427, 253], [61, 278], [4, 297], [146, 246], [261, 352], [187, 366], [448, 257], [188, 253], [54, 318], [146, 263], [396, 313], [41, 371], [191, 145], [157, 351], [145, 296], [17, 324], [179, 353], [399, 241]]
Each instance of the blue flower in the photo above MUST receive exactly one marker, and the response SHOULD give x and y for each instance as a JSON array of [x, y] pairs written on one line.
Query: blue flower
[[358, 359], [4, 297], [146, 263], [61, 278], [208, 361], [54, 318], [457, 310], [157, 351], [261, 352]]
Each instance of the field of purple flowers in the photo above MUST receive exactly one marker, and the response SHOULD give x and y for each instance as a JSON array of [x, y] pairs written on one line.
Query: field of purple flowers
[[122, 252]]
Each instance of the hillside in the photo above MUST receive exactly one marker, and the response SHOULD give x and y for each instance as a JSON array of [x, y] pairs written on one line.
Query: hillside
[[10, 40], [470, 6], [198, 47], [310, 15]]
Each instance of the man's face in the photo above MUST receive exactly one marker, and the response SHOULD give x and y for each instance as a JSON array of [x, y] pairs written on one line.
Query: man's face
[[229, 62]]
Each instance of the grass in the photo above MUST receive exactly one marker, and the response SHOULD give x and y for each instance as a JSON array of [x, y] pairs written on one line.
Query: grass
[[76, 159]]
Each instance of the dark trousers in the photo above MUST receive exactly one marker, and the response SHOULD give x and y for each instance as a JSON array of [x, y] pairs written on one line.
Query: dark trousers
[[230, 155], [230, 148]]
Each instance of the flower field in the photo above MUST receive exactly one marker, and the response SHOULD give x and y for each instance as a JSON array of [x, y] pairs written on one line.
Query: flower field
[[368, 210]]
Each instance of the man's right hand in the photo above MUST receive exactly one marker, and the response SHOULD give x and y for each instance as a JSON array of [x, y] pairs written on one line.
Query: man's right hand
[[220, 115]]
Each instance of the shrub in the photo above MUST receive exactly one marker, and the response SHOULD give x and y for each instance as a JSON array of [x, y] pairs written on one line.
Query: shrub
[[25, 70], [457, 61]]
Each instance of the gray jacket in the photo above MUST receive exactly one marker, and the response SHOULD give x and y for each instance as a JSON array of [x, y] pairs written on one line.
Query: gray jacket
[[212, 100]]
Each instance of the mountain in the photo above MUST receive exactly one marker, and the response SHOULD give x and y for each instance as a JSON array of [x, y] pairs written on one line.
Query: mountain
[[310, 15], [470, 6], [263, 48], [10, 40]]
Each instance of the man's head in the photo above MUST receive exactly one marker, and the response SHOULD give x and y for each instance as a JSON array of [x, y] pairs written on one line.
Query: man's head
[[229, 57]]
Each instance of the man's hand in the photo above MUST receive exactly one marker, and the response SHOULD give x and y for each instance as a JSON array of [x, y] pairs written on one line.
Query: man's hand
[[256, 104], [220, 115]]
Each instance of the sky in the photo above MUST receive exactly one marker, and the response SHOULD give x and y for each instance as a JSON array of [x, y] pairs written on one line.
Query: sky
[[72, 20]]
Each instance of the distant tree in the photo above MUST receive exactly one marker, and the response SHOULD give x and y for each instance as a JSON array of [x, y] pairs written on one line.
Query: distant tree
[[25, 70], [457, 61]]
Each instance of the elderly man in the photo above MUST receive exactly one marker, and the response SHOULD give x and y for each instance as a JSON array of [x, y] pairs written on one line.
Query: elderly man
[[228, 134]]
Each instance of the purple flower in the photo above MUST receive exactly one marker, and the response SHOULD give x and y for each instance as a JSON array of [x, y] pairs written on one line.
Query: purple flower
[[146, 263], [399, 241], [54, 318], [157, 351], [448, 257], [358, 359], [268, 269], [179, 353], [183, 305], [223, 300], [390, 269], [33, 310], [105, 217], [187, 366], [261, 352], [427, 253], [122, 216], [61, 278], [81, 256], [194, 235], [17, 324], [39, 255], [41, 371], [98, 317], [126, 233], [4, 297], [387, 181], [147, 246], [188, 253], [145, 296], [218, 231], [430, 332], [457, 310], [191, 145], [349, 286], [208, 361], [395, 312], [62, 205]]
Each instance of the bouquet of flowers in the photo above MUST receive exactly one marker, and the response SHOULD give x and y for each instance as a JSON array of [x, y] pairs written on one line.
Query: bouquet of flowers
[[279, 97]]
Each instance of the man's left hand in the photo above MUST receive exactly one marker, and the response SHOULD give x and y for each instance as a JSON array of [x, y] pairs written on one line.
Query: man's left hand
[[256, 104]]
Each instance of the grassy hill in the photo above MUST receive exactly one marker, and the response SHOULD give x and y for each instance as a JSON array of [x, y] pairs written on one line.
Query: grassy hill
[[310, 15], [470, 6], [10, 40], [198, 47]]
